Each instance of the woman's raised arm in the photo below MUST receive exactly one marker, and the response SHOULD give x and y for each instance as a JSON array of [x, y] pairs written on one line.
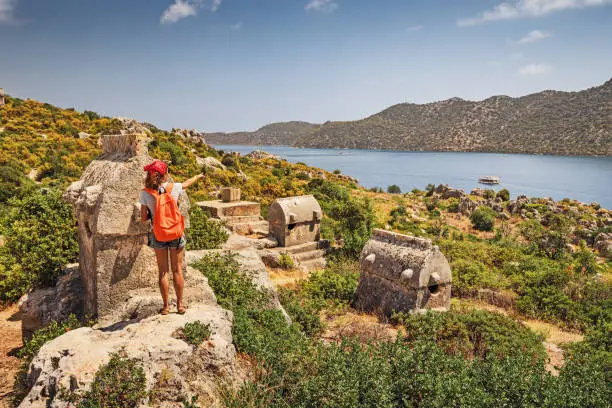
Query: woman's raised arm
[[192, 180]]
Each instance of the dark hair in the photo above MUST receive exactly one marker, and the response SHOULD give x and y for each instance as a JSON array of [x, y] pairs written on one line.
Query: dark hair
[[154, 180]]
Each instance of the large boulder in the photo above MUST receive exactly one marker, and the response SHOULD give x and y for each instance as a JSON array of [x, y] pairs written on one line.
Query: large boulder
[[40, 306], [603, 243], [69, 363]]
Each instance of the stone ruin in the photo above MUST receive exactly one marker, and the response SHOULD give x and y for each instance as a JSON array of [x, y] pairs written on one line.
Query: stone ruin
[[2, 95], [295, 222], [400, 273], [114, 260], [242, 217]]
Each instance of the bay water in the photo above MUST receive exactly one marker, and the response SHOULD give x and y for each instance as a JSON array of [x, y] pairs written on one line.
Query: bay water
[[586, 179]]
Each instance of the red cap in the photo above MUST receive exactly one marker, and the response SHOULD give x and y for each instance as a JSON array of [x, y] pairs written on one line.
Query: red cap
[[158, 166]]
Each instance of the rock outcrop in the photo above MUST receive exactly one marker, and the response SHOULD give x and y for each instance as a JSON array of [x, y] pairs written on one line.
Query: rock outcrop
[[41, 306], [69, 362]]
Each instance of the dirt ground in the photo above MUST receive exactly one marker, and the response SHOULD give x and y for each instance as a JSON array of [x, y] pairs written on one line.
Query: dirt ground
[[10, 342]]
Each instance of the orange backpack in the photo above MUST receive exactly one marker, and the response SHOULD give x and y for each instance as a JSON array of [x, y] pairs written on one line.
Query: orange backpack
[[168, 223]]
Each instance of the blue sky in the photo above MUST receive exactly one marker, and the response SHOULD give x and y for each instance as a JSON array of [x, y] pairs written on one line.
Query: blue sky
[[225, 65]]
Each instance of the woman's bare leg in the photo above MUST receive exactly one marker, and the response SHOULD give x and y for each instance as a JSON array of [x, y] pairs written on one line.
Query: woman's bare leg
[[162, 266], [176, 261]]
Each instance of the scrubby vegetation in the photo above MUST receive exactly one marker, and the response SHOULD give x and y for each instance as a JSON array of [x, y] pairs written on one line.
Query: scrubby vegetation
[[120, 383], [204, 233], [462, 358], [195, 332]]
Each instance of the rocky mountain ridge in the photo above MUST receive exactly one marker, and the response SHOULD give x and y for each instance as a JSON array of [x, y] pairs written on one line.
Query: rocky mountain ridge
[[548, 122]]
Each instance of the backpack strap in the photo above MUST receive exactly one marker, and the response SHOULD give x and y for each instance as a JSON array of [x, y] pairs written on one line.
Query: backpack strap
[[169, 188], [154, 193]]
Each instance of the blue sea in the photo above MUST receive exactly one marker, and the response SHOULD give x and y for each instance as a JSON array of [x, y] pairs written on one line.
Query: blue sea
[[586, 179]]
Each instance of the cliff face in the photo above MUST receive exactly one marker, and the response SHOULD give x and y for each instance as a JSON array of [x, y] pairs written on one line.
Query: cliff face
[[548, 122]]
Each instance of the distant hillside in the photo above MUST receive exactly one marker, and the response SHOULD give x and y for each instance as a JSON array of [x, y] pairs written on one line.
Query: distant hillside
[[548, 122]]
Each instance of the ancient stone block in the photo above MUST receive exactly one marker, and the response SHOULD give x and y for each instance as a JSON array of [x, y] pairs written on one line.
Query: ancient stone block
[[400, 273], [230, 194], [295, 220]]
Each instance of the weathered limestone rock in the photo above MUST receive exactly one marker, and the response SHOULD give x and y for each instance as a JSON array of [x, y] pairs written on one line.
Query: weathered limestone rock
[[39, 307], [467, 206], [402, 273], [70, 361], [210, 163], [515, 206], [260, 154], [447, 192], [113, 256], [603, 243]]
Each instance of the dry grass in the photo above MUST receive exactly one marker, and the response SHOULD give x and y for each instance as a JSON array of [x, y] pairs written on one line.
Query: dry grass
[[285, 278], [363, 327]]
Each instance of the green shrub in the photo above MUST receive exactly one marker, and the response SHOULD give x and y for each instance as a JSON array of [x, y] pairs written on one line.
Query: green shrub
[[303, 311], [204, 233], [175, 151], [473, 333], [483, 218], [337, 171], [471, 275], [121, 383], [504, 194], [489, 194], [257, 330], [346, 216], [336, 283], [394, 189], [195, 332], [302, 176], [41, 238], [286, 261], [453, 205]]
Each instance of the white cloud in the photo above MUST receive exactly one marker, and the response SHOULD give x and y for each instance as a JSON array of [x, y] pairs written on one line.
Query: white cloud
[[181, 9], [7, 7], [534, 69], [322, 6], [237, 26], [528, 8], [533, 36], [415, 28], [178, 11]]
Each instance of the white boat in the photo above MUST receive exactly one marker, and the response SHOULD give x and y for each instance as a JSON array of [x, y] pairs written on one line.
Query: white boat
[[489, 180]]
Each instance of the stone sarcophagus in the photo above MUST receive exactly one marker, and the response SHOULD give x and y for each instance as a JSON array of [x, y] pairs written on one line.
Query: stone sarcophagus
[[113, 256], [295, 220], [400, 273]]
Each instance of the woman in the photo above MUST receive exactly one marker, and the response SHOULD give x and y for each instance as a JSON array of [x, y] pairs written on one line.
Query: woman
[[156, 181]]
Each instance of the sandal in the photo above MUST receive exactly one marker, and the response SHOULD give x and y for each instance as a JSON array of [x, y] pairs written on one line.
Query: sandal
[[164, 311], [181, 310]]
